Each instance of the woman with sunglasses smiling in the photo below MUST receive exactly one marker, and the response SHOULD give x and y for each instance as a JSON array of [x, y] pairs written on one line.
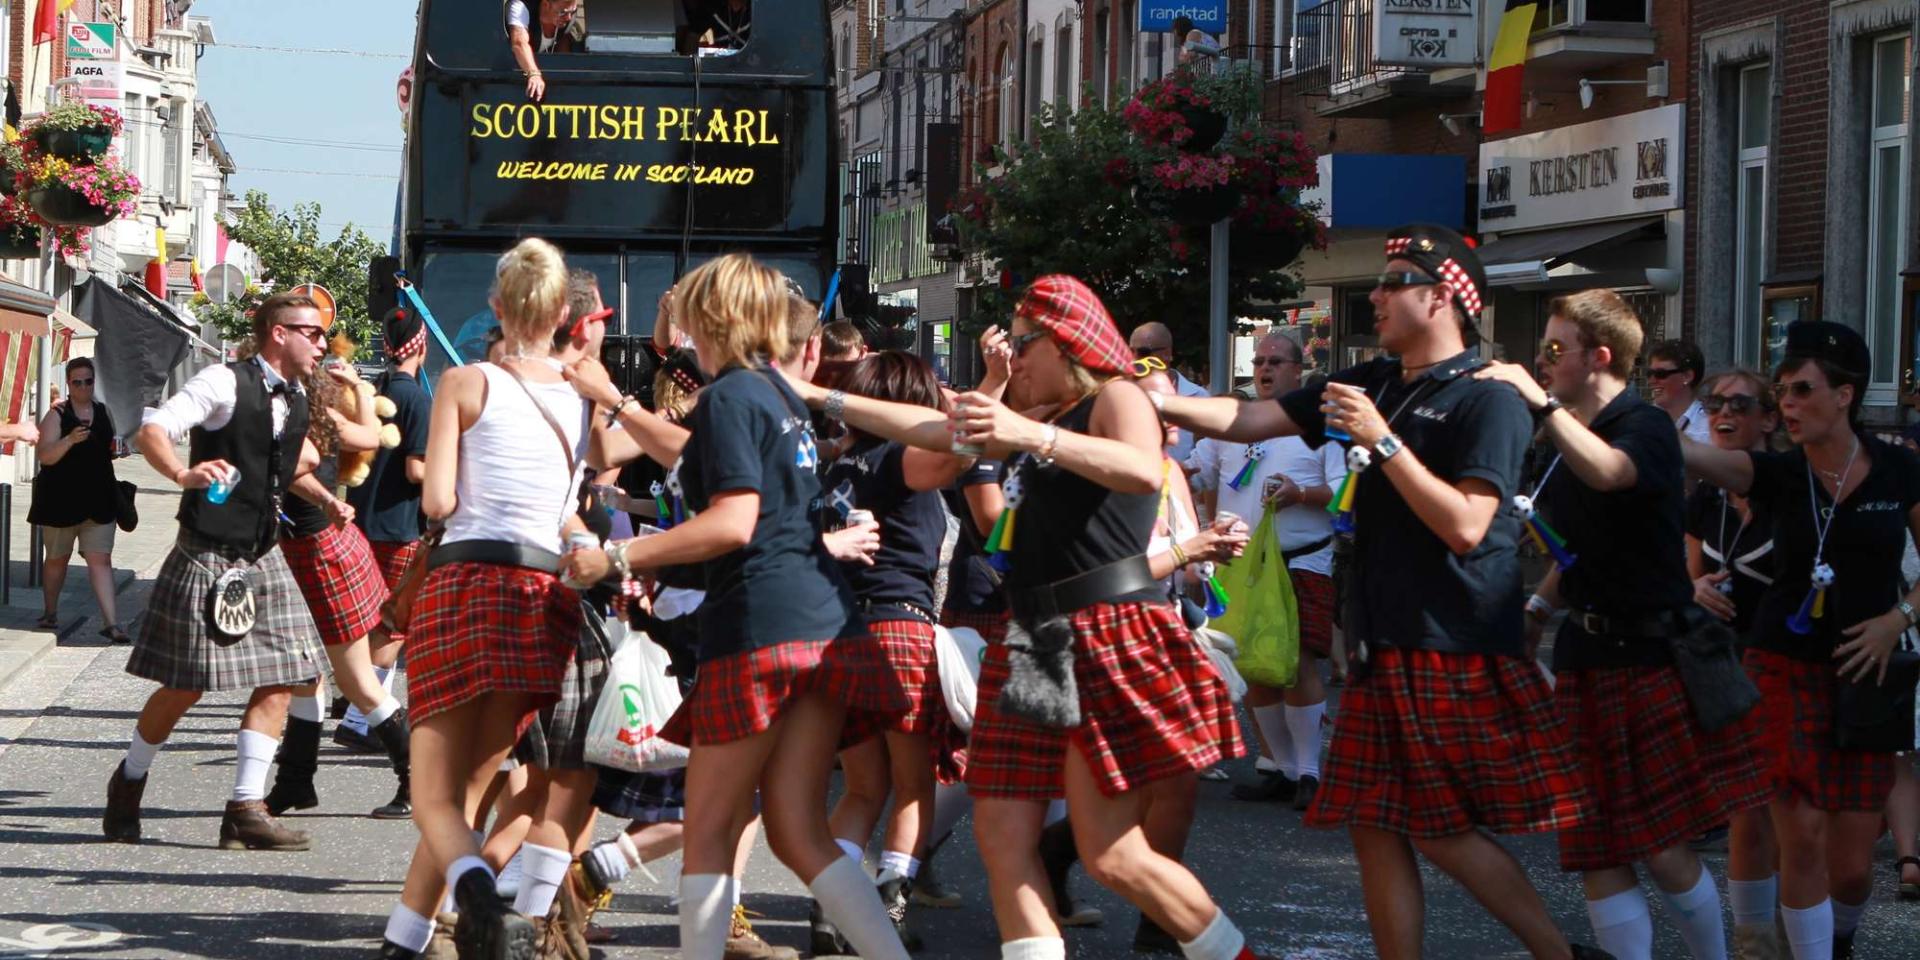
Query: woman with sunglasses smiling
[[1098, 691], [1842, 504]]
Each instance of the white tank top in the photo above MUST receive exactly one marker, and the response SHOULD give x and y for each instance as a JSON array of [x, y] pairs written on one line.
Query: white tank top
[[513, 483]]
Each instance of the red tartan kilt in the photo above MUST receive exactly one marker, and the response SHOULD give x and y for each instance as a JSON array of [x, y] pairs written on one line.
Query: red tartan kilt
[[992, 627], [1151, 707], [393, 559], [1656, 779], [1430, 744], [1795, 716], [1314, 593], [742, 694], [335, 570], [481, 628], [908, 648]]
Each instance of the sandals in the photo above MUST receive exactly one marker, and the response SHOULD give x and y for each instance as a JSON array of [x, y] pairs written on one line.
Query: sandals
[[1908, 891], [48, 621], [113, 632]]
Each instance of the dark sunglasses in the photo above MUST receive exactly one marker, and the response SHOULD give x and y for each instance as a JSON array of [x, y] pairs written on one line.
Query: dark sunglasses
[[78, 382], [1738, 403], [1800, 389], [1020, 341], [1661, 373], [313, 332], [1272, 361], [1393, 280]]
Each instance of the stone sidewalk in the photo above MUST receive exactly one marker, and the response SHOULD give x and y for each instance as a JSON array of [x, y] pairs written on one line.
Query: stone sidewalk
[[136, 558]]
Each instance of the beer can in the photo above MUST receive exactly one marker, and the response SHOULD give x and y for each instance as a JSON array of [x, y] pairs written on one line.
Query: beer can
[[582, 540], [857, 518], [968, 449]]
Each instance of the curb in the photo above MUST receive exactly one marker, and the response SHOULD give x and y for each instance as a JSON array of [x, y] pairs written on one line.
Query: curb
[[16, 659]]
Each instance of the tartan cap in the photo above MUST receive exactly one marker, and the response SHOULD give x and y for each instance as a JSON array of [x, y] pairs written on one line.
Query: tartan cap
[[1076, 320], [1444, 255]]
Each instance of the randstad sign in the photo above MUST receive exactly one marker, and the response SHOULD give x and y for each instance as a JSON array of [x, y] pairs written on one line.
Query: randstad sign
[[1157, 16]]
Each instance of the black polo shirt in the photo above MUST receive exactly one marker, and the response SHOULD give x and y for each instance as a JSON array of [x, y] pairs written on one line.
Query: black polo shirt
[[1410, 591], [1715, 521], [899, 583], [973, 586], [1864, 545], [1631, 544]]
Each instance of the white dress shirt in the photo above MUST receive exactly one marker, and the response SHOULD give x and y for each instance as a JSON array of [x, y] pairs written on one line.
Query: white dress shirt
[[1182, 451], [1692, 424], [208, 401], [1218, 461]]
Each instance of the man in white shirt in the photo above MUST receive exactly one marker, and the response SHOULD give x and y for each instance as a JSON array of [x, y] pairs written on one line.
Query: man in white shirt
[[1675, 370], [1297, 482], [226, 613], [1153, 339]]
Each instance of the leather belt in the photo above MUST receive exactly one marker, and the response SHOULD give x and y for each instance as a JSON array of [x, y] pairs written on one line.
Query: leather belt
[[1657, 626], [913, 610], [1083, 590], [497, 552], [1308, 549]]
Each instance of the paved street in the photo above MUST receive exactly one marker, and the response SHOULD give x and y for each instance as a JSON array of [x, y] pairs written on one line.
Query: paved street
[[65, 718]]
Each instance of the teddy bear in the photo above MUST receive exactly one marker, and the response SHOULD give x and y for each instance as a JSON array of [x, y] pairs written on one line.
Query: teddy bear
[[355, 467]]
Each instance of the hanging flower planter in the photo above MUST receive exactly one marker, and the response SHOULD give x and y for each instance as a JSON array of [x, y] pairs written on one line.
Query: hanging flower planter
[[89, 143], [1207, 125], [71, 197], [64, 206], [1253, 248]]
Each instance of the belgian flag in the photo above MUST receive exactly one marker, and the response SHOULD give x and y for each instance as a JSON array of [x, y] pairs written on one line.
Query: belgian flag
[[1501, 110]]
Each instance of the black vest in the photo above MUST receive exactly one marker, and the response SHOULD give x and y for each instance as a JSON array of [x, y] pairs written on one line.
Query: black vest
[[249, 520]]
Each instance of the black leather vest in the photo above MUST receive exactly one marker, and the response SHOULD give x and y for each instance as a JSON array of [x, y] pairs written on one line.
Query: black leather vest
[[249, 520]]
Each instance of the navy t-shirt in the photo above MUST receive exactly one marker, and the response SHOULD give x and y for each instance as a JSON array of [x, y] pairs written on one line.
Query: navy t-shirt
[[1716, 523], [872, 476], [972, 585], [1864, 545], [1630, 544], [387, 506], [750, 432], [1409, 589]]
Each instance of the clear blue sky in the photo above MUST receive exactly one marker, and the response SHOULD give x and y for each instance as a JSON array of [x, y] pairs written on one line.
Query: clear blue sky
[[338, 98]]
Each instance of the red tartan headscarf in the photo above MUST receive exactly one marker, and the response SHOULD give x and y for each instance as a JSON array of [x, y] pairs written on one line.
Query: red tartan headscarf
[[1073, 315]]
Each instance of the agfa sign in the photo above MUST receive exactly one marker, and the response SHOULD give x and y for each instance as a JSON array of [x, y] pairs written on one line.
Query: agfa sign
[[1427, 33], [92, 41]]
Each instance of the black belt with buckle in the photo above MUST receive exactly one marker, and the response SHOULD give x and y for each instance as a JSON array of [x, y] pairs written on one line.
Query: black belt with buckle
[[912, 611], [1083, 590], [497, 552], [1659, 626]]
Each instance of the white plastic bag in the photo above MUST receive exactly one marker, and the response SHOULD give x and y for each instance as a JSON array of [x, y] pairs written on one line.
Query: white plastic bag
[[958, 653], [636, 702], [1220, 650]]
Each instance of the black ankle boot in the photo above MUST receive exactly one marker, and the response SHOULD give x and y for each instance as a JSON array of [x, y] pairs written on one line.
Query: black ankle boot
[[894, 893], [488, 929], [823, 938], [392, 734], [299, 758]]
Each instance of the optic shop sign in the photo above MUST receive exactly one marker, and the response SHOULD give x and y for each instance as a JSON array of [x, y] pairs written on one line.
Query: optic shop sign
[[1157, 16], [1427, 33], [1591, 171]]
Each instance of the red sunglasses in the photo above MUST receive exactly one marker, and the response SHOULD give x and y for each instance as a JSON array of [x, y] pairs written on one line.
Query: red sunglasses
[[580, 326]]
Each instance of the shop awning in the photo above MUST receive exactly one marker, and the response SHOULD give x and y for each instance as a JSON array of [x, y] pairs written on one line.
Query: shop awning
[[1526, 257], [24, 310]]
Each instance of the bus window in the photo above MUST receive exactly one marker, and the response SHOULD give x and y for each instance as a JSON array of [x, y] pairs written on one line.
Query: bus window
[[548, 26], [629, 26], [719, 26], [455, 284], [648, 276]]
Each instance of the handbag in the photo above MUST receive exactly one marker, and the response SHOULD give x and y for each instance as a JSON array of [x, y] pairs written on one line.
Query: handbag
[[1717, 685], [1262, 616], [636, 702], [126, 514], [1874, 717]]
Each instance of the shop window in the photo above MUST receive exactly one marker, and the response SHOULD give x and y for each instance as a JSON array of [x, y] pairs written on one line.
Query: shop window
[[1579, 13], [1750, 209], [1036, 68], [1886, 208], [1784, 302]]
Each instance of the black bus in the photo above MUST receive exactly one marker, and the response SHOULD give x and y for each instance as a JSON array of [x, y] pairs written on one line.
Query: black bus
[[670, 132]]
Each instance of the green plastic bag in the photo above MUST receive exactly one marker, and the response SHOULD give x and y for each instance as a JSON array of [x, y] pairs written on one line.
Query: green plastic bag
[[1262, 615]]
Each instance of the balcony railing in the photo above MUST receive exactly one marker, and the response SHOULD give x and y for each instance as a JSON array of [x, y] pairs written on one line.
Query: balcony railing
[[1333, 50]]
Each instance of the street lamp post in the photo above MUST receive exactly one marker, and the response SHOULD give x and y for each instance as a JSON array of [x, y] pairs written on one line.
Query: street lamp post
[[1219, 318]]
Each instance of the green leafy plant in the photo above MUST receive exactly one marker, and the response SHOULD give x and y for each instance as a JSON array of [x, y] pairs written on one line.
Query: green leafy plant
[[77, 116], [292, 251]]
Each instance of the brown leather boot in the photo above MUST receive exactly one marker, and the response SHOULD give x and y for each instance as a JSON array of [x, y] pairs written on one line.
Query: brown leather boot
[[744, 944], [121, 822], [248, 826]]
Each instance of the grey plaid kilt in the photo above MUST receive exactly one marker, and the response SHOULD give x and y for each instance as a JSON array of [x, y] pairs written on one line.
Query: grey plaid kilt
[[175, 648], [557, 740]]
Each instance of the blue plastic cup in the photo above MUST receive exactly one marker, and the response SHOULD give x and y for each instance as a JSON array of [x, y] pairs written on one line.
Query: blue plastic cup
[[219, 490]]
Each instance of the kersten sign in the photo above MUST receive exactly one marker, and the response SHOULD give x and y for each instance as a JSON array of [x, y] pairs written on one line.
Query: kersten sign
[[1590, 171], [1427, 33]]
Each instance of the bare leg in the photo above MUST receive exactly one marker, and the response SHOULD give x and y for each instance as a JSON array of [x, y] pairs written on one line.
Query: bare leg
[[1903, 816], [1850, 841], [353, 674], [1008, 835], [863, 768], [1751, 851], [1390, 886], [794, 786], [100, 575], [266, 711], [53, 576], [450, 751], [909, 827], [1115, 851], [1495, 879], [163, 711], [1169, 817], [1802, 834], [1308, 689]]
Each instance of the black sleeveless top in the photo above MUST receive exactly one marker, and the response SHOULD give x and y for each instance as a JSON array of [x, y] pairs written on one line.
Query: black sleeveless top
[[1067, 525], [80, 486]]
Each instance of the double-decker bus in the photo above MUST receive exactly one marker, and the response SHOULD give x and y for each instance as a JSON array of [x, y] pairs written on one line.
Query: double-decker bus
[[670, 132]]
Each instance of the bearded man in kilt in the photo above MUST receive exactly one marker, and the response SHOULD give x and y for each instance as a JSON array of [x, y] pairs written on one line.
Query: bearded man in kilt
[[247, 421], [1448, 729]]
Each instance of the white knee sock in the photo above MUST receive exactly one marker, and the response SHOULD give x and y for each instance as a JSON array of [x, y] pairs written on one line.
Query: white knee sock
[[951, 801], [1846, 917], [357, 721], [1303, 725], [139, 757], [1754, 901], [1809, 931], [1273, 728], [459, 868], [255, 751], [1622, 925], [1221, 940], [902, 864], [1034, 948], [853, 851], [1696, 913], [852, 902], [408, 929], [305, 708], [387, 708], [705, 916], [542, 872]]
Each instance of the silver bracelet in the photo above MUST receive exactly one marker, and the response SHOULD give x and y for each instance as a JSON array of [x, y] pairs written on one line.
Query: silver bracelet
[[836, 405], [617, 559]]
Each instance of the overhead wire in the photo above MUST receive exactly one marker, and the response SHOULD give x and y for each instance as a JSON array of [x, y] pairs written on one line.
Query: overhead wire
[[321, 51]]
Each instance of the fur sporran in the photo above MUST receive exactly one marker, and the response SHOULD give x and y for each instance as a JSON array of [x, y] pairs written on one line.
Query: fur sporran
[[1040, 686]]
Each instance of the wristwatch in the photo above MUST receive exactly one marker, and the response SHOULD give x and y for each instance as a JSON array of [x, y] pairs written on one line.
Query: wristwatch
[[1387, 447], [1912, 615], [1545, 410]]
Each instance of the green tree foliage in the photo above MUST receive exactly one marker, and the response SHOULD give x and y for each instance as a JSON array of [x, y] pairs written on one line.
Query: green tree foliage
[[292, 251], [1101, 194]]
